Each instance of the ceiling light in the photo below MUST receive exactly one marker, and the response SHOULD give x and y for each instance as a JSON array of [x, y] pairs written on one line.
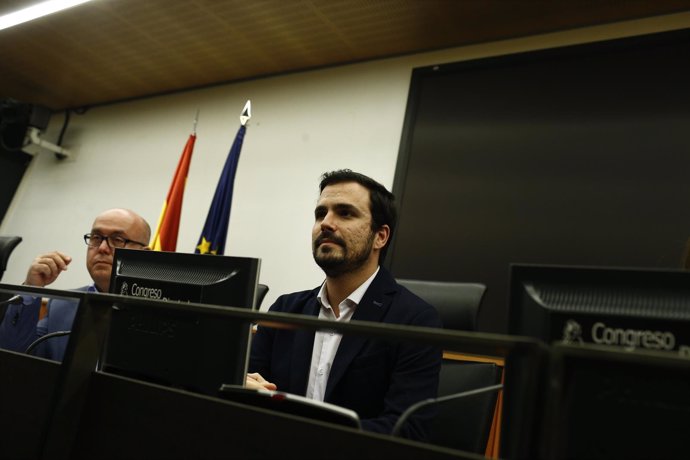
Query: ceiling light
[[36, 11]]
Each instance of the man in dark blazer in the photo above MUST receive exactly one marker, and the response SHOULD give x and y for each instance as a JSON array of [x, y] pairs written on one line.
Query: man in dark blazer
[[379, 379]]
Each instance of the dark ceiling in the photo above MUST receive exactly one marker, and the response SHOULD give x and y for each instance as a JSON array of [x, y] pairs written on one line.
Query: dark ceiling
[[115, 50]]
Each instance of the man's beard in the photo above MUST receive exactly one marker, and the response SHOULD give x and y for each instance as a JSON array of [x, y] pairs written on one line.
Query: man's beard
[[334, 263]]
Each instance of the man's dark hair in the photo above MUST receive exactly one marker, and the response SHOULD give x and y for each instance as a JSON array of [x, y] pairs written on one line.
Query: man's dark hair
[[381, 201]]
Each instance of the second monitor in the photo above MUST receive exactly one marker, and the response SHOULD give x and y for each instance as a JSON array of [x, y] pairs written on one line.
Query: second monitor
[[632, 308]]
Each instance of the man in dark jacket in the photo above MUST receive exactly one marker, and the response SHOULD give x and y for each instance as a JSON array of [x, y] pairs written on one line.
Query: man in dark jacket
[[379, 379], [24, 323]]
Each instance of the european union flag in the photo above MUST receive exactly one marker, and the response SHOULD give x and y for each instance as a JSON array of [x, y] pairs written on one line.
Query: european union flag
[[212, 240]]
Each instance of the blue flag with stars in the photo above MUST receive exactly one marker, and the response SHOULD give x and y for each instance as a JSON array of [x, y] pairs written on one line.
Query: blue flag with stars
[[212, 239]]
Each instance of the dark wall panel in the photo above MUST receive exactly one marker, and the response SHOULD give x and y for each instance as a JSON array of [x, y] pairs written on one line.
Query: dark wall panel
[[576, 155]]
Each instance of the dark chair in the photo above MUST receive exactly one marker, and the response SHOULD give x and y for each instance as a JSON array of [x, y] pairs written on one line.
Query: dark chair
[[463, 417], [464, 408], [261, 291], [465, 423], [7, 245], [457, 303]]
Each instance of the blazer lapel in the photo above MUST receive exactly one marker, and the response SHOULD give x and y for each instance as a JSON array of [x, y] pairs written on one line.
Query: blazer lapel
[[301, 351], [373, 307]]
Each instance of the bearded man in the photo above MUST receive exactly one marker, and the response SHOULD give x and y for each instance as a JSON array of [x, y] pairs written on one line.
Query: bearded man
[[379, 379]]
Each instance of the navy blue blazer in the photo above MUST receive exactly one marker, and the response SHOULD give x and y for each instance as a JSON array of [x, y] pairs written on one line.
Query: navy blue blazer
[[378, 379], [18, 334], [61, 314]]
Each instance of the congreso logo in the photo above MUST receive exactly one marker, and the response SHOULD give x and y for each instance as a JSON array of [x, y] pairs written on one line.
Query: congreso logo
[[629, 338]]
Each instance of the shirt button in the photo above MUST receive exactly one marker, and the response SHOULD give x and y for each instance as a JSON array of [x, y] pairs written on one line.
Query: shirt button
[[321, 371]]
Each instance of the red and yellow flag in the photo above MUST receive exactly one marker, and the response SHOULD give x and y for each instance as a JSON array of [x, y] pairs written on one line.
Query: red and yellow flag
[[165, 236]]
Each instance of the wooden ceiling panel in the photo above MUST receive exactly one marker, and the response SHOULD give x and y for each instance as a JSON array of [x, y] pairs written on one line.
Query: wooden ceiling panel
[[113, 50]]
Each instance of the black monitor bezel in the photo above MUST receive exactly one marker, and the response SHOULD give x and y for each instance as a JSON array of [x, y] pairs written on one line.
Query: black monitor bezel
[[206, 332]]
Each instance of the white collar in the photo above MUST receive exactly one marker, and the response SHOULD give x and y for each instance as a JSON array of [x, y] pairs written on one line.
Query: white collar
[[355, 296]]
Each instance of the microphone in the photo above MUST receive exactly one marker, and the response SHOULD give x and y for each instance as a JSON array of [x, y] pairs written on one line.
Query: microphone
[[14, 300], [405, 416], [36, 342]]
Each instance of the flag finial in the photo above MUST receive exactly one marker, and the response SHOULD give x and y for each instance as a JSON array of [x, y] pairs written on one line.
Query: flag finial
[[196, 120], [246, 113]]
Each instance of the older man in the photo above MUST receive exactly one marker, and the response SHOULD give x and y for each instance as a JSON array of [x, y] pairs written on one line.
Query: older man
[[114, 228]]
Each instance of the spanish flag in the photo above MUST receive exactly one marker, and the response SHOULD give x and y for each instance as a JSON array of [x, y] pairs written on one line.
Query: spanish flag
[[165, 237]]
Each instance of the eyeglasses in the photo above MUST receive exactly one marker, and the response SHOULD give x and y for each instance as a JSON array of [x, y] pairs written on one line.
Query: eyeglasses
[[94, 240]]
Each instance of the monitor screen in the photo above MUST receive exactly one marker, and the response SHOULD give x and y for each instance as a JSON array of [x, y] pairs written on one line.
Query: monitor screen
[[181, 348], [625, 307]]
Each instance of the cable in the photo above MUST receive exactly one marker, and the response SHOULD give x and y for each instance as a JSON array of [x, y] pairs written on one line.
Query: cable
[[64, 127]]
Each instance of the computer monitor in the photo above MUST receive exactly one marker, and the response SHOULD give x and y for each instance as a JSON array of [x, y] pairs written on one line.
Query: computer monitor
[[192, 350], [625, 307]]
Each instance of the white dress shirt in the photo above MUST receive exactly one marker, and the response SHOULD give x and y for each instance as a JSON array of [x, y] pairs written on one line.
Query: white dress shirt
[[326, 342]]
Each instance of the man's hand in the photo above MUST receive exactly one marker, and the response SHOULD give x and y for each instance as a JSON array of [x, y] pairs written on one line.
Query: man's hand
[[256, 382], [46, 268]]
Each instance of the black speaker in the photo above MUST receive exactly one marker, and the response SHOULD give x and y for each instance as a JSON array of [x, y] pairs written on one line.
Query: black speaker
[[15, 118]]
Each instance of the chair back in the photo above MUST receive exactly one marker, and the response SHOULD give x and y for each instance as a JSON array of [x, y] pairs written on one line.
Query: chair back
[[7, 245], [464, 424], [462, 414], [261, 291], [456, 303]]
